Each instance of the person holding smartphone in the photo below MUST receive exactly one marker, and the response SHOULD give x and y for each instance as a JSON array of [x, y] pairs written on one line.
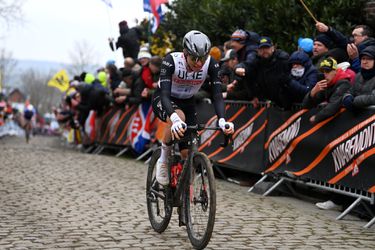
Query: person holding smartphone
[[329, 90]]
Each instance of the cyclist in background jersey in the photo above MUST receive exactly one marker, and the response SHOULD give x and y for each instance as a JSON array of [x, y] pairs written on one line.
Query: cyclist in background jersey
[[181, 76], [28, 114]]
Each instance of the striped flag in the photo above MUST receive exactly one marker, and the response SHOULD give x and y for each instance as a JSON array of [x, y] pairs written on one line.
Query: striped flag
[[154, 7]]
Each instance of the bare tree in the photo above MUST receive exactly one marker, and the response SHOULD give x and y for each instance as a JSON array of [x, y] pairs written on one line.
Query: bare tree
[[34, 85], [10, 11], [83, 58], [7, 65]]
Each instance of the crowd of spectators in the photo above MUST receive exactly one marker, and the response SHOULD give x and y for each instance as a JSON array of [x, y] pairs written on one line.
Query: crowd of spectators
[[329, 68], [324, 69]]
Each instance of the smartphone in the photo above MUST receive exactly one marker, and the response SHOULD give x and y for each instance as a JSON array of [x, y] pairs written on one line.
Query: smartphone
[[320, 76]]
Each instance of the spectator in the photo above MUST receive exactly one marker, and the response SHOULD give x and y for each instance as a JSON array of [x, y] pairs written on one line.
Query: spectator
[[229, 61], [331, 90], [233, 86], [88, 97], [102, 78], [361, 38], [215, 52], [268, 77], [362, 94], [227, 46], [129, 40], [245, 44], [89, 78], [322, 44], [129, 63], [128, 92], [303, 75], [306, 45], [144, 58], [154, 66], [114, 77]]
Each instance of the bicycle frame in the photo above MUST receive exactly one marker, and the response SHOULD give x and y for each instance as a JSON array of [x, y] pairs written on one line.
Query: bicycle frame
[[193, 144], [192, 148]]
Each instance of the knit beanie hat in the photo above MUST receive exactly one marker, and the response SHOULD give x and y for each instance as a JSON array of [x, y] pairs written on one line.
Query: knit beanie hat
[[325, 40], [306, 44], [144, 54]]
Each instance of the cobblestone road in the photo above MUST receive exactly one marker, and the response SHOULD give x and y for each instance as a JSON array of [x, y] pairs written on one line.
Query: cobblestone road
[[52, 197]]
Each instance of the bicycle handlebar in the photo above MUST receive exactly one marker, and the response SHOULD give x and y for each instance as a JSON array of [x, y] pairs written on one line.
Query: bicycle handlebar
[[199, 127]]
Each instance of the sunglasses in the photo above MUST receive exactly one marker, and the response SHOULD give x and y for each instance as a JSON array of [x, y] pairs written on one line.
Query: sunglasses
[[198, 58]]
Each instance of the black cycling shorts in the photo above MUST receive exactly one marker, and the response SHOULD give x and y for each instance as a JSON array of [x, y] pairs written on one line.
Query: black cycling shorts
[[186, 105]]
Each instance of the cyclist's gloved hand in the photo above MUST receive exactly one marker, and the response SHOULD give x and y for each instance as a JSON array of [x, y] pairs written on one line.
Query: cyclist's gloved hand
[[227, 127], [178, 127]]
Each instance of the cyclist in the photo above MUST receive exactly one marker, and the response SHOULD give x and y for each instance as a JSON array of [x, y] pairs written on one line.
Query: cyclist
[[28, 114], [182, 75]]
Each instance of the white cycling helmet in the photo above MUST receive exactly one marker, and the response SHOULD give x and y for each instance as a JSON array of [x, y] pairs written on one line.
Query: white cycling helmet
[[196, 43], [30, 107]]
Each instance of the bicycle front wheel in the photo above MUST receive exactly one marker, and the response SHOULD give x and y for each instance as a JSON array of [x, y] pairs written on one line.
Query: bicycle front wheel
[[27, 132], [158, 197], [200, 202]]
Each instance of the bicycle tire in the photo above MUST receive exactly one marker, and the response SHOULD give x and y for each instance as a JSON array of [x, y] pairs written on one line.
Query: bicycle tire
[[158, 198], [27, 132], [200, 200]]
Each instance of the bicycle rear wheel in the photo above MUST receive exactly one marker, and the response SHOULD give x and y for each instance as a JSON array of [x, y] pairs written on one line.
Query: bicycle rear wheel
[[27, 132], [158, 198], [200, 202]]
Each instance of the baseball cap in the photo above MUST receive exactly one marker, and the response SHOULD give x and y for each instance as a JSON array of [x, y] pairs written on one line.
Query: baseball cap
[[265, 41], [328, 64], [239, 36], [230, 54]]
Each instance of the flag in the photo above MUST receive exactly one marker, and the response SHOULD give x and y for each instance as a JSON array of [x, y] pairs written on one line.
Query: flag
[[154, 7], [60, 81], [141, 126], [108, 3]]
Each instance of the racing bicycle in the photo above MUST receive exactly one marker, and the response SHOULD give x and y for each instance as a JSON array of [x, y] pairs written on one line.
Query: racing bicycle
[[191, 189]]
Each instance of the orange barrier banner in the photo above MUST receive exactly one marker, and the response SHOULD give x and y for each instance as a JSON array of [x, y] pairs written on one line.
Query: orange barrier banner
[[339, 150]]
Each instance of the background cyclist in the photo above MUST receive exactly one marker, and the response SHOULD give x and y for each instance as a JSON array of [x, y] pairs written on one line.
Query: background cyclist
[[28, 114]]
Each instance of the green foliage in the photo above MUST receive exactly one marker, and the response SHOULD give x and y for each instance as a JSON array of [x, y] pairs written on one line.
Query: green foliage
[[283, 20]]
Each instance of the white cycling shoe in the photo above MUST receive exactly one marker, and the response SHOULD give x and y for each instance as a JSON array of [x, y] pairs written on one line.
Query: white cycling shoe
[[162, 173]]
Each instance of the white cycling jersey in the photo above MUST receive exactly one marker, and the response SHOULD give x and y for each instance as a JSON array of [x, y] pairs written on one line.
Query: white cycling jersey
[[185, 84]]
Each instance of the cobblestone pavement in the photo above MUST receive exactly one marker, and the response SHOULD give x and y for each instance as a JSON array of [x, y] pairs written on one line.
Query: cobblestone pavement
[[52, 197]]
